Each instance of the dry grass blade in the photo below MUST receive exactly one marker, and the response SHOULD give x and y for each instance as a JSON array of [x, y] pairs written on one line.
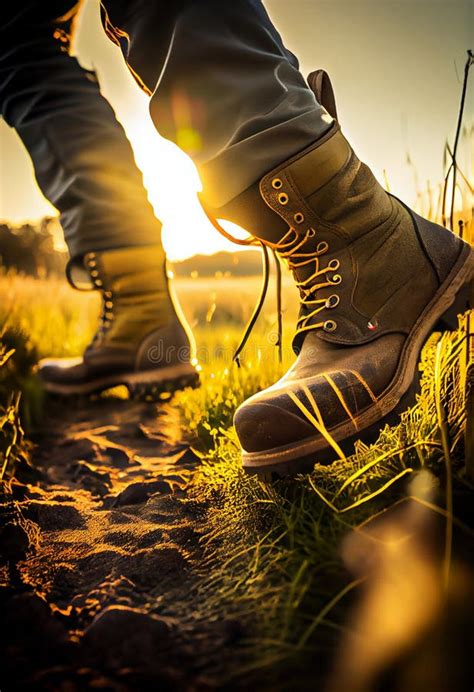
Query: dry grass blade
[[442, 423], [361, 500], [341, 399], [469, 390], [6, 356], [383, 457], [318, 424]]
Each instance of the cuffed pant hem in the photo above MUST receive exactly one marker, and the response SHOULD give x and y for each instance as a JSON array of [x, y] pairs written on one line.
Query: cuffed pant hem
[[239, 166]]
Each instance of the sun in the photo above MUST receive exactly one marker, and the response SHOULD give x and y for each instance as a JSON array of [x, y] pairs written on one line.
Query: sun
[[172, 183]]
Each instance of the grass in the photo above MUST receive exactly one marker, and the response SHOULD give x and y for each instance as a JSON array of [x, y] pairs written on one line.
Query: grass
[[12, 444], [272, 551]]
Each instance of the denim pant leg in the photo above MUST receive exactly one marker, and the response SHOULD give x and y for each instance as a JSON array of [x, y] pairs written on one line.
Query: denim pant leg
[[223, 86], [82, 159]]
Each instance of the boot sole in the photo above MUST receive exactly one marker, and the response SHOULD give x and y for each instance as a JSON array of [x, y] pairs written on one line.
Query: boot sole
[[143, 384], [454, 297]]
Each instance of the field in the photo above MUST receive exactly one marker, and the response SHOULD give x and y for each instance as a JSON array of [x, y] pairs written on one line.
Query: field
[[327, 567]]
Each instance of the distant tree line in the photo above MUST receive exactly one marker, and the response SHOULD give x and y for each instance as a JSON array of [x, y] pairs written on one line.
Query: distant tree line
[[220, 264], [30, 249]]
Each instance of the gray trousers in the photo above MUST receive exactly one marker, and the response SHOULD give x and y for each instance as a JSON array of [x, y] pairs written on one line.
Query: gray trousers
[[221, 84]]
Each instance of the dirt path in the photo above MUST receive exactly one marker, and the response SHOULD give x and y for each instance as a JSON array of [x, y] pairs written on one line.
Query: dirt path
[[104, 551]]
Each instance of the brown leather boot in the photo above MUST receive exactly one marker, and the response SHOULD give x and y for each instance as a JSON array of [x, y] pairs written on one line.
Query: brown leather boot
[[143, 340], [375, 280]]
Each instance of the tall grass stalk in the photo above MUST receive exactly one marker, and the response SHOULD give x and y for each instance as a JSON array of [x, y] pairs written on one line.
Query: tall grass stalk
[[453, 167]]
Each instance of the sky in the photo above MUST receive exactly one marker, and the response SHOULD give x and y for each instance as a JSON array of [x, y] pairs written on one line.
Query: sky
[[396, 67]]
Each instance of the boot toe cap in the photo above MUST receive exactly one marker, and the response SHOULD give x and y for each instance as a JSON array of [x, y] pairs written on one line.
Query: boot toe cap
[[272, 418], [261, 426]]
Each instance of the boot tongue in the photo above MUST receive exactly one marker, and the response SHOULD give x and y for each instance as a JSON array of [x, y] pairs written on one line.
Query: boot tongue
[[249, 211]]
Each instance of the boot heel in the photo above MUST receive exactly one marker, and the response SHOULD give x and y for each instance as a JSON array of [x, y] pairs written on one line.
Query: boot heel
[[464, 301]]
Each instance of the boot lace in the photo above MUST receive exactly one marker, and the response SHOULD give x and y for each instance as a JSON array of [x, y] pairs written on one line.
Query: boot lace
[[290, 248]]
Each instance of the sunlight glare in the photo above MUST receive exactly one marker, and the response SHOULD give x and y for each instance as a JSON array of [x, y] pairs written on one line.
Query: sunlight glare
[[172, 182]]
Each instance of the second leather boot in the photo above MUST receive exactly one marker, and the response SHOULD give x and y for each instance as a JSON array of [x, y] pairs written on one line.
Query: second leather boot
[[142, 341]]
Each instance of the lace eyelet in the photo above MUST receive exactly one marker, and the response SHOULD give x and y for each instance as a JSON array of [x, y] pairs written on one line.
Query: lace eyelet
[[298, 217], [94, 273], [330, 326], [283, 198], [277, 183], [332, 301], [98, 283]]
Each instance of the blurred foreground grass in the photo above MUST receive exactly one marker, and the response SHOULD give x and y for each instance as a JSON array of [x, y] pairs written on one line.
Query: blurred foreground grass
[[271, 550]]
